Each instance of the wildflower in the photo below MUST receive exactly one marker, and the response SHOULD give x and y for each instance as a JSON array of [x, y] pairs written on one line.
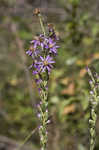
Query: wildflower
[[52, 33], [45, 64], [32, 51], [38, 81], [43, 49], [38, 41], [35, 42], [52, 46], [29, 52]]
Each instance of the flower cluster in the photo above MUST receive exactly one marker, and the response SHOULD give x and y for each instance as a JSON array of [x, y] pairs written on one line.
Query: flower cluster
[[43, 49]]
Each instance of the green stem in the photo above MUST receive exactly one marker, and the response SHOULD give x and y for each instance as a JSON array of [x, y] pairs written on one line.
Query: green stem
[[43, 96], [41, 23], [92, 129]]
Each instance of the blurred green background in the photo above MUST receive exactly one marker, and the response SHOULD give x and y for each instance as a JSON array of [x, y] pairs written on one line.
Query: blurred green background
[[77, 23]]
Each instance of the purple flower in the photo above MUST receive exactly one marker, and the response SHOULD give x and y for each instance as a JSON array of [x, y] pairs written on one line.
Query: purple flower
[[51, 45], [40, 47], [52, 33], [38, 81], [35, 72], [35, 53], [38, 41], [45, 64], [29, 52], [39, 90], [36, 68], [35, 43], [32, 51]]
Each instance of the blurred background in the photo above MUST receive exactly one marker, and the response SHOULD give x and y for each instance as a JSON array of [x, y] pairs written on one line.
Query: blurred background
[[77, 23]]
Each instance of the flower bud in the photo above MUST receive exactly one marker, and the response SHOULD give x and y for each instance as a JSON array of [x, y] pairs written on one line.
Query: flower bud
[[36, 11]]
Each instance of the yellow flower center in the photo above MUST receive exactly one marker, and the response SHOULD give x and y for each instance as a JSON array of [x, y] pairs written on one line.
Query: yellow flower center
[[51, 45], [45, 63], [32, 48]]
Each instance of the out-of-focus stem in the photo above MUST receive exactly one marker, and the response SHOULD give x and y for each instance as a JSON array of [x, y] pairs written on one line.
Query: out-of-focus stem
[[94, 99]]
